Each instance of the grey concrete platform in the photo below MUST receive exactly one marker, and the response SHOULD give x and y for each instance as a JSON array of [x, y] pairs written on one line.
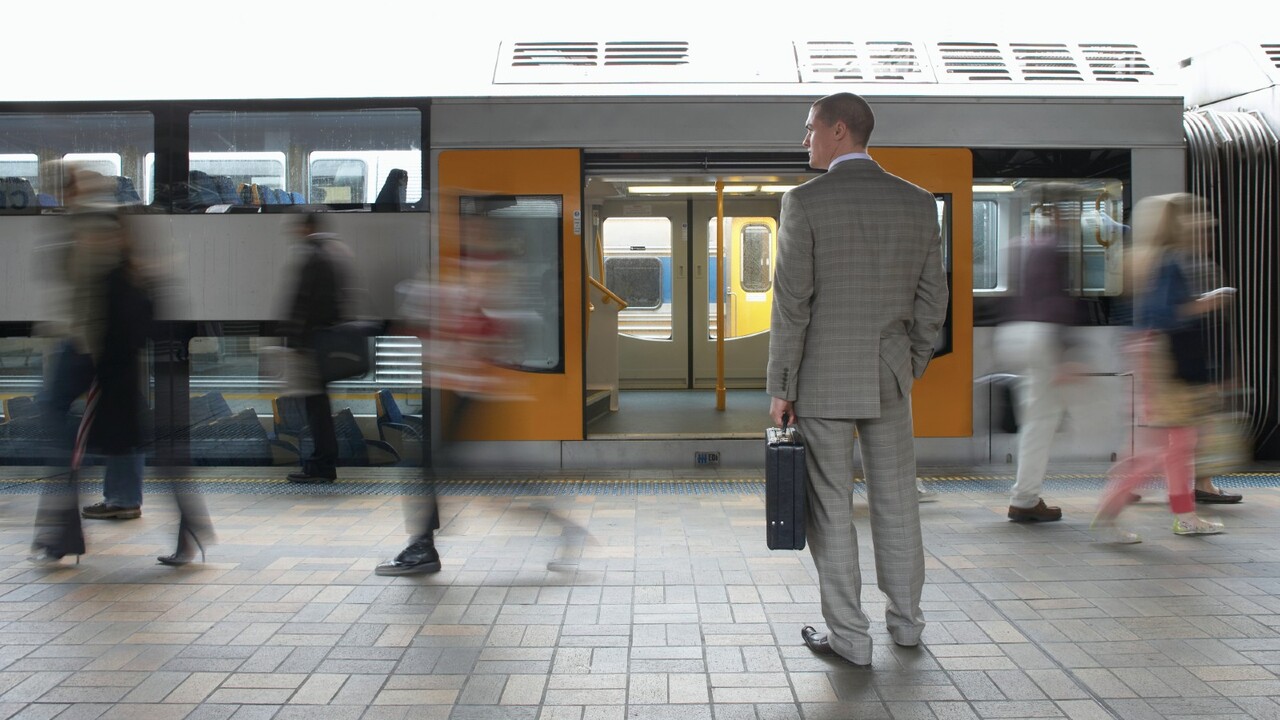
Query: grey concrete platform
[[638, 595]]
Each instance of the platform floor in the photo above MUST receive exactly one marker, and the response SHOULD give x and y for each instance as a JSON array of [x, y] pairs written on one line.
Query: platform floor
[[594, 597]]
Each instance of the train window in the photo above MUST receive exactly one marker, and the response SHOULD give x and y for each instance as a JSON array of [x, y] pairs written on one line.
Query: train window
[[390, 179], [757, 258], [637, 280], [341, 157], [33, 147], [637, 266], [987, 266], [511, 246], [1081, 214]]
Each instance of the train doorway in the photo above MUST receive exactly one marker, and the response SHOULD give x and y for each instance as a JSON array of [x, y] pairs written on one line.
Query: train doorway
[[660, 256], [650, 244]]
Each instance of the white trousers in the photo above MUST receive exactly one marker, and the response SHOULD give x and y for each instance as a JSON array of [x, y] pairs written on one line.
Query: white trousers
[[1031, 350]]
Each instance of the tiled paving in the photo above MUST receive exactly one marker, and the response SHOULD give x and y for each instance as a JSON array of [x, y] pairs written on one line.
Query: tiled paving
[[633, 605]]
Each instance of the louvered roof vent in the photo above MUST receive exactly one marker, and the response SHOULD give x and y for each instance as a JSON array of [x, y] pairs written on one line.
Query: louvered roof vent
[[1272, 51], [1040, 62], [862, 61], [589, 61]]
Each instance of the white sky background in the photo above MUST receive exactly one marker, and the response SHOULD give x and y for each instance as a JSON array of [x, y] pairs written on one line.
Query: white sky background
[[170, 42]]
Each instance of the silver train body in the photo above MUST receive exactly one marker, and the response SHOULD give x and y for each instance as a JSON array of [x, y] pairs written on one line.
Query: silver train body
[[637, 111]]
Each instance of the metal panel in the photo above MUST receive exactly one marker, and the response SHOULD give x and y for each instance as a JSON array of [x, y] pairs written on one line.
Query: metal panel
[[778, 123]]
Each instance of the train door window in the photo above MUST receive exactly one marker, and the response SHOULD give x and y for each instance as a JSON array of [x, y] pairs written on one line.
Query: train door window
[[988, 268], [749, 247], [34, 146], [341, 157], [757, 258], [637, 266], [511, 258]]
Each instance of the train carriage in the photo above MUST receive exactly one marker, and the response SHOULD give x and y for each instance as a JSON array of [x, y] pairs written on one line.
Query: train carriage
[[641, 173]]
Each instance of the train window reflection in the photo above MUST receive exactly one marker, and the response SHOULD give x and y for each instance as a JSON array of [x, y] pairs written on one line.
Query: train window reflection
[[33, 147]]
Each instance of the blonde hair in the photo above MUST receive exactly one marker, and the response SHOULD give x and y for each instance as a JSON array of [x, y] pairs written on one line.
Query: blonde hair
[[1161, 223]]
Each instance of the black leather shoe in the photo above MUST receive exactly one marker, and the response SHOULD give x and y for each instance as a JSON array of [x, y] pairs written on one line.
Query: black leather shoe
[[1222, 497], [818, 643], [1039, 513], [420, 557]]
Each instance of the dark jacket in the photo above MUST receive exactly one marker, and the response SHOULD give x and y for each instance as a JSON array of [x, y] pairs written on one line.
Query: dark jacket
[[317, 298], [119, 424]]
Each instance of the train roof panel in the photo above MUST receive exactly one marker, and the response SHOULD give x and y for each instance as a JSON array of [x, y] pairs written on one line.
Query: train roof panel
[[597, 66]]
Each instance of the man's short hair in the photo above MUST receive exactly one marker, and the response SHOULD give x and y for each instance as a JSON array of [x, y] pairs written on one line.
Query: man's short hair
[[850, 109]]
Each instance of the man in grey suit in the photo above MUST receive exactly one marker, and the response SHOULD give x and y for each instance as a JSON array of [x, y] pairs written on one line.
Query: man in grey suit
[[859, 297]]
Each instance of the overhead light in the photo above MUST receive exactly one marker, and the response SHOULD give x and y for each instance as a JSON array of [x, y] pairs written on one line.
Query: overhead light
[[688, 189], [993, 188], [777, 188]]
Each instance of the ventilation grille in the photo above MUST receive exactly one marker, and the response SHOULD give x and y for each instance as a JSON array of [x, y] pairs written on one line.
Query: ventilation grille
[[1040, 62], [589, 61], [827, 61], [858, 61], [555, 54], [1272, 51], [646, 53]]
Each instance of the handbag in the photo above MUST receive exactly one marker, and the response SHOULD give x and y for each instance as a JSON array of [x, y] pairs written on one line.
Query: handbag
[[342, 350], [1222, 445], [1190, 353]]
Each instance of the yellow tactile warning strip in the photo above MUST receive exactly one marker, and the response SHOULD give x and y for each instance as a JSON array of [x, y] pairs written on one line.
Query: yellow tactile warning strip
[[575, 484]]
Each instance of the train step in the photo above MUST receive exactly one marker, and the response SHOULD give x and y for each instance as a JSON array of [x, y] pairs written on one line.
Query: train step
[[597, 404]]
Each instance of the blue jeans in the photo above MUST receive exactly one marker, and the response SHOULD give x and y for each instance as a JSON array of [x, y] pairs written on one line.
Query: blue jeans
[[69, 377], [122, 485]]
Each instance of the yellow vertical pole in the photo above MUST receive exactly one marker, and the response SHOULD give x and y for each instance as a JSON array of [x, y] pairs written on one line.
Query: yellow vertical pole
[[720, 323]]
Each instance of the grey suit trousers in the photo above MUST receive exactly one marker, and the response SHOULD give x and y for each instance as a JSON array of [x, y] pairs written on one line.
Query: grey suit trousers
[[889, 464]]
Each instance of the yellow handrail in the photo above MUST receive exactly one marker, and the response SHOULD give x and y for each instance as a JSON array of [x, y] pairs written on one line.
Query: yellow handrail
[[608, 294], [720, 323]]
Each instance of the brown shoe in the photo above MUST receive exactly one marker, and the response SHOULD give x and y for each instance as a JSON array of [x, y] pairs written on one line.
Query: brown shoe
[[1039, 513]]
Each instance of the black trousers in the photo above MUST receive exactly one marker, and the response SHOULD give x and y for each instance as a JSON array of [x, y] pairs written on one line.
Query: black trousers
[[324, 457]]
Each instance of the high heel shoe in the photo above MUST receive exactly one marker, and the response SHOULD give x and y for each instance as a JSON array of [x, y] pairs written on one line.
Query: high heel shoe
[[184, 555]]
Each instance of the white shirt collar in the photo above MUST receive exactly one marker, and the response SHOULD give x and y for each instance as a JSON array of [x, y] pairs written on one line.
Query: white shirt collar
[[848, 156]]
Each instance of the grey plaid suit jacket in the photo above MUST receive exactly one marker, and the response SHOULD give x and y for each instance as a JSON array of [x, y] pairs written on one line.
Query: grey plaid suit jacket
[[859, 278]]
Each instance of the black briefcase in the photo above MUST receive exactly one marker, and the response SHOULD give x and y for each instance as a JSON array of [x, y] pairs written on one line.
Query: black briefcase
[[785, 486], [342, 351]]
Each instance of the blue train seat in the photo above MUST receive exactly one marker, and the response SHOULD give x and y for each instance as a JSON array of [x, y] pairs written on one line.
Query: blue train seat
[[232, 439], [291, 427], [404, 433], [226, 189], [126, 194]]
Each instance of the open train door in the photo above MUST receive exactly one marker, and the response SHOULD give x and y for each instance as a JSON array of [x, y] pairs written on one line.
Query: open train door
[[520, 210], [942, 401]]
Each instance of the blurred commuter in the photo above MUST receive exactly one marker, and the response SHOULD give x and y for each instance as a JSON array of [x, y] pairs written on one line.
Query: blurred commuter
[[1033, 341], [1171, 361], [859, 298], [103, 325], [318, 303], [456, 317]]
